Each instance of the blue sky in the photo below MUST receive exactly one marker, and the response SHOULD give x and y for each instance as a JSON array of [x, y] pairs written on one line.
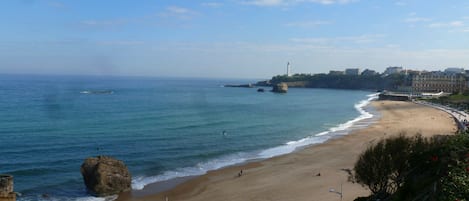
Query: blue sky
[[231, 38]]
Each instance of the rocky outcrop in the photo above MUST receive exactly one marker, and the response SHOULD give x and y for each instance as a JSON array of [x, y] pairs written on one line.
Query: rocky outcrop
[[105, 176], [297, 84], [6, 188], [280, 88]]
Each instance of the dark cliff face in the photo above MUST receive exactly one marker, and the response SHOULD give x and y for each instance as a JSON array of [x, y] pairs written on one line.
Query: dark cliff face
[[367, 82], [280, 88]]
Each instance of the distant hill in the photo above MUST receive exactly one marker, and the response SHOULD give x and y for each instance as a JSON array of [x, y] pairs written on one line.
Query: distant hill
[[363, 82]]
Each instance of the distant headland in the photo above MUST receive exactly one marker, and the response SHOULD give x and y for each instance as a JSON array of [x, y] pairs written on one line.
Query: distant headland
[[451, 80]]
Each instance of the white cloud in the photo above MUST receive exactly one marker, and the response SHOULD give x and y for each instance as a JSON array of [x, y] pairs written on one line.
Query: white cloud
[[266, 2], [120, 43], [331, 1], [312, 40], [309, 58], [292, 2], [172, 16], [212, 4], [56, 4], [451, 24], [103, 23], [362, 39], [400, 3], [417, 19], [223, 59], [456, 24], [394, 46], [178, 12], [308, 24]]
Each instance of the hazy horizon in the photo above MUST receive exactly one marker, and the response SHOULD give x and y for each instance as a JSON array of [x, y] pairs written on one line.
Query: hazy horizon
[[230, 39]]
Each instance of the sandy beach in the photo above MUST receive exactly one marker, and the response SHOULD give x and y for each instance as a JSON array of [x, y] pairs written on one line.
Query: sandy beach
[[295, 177]]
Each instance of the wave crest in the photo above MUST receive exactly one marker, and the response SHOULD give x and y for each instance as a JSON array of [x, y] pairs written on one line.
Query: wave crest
[[138, 183]]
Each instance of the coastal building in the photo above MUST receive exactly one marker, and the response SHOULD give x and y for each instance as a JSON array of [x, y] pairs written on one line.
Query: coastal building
[[455, 71], [439, 82], [336, 72], [412, 72], [393, 70], [368, 72], [289, 74], [352, 71]]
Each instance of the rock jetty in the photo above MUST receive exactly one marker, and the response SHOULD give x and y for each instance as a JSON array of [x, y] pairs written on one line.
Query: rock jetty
[[240, 85], [104, 176], [6, 188], [280, 88]]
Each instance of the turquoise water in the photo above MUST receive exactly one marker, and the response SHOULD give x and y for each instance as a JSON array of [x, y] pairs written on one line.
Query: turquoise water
[[161, 128]]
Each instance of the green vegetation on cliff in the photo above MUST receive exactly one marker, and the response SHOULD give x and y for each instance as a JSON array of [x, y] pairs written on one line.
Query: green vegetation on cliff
[[459, 101], [373, 82]]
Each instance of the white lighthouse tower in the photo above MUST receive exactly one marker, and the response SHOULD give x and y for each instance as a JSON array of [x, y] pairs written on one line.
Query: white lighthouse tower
[[289, 69]]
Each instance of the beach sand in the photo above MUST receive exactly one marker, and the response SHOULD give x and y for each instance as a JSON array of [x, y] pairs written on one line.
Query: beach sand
[[294, 176]]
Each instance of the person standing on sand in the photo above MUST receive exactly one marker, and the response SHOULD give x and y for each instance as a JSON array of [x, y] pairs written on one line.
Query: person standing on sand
[[240, 173]]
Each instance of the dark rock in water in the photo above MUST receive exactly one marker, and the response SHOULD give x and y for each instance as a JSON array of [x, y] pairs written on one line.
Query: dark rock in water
[[97, 92], [105, 176], [260, 90], [240, 85], [280, 88]]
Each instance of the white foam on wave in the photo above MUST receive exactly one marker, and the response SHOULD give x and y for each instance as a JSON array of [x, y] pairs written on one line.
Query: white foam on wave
[[322, 136], [363, 115], [87, 198], [108, 198], [138, 183], [290, 147]]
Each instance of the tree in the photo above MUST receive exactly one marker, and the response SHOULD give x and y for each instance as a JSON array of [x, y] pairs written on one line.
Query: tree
[[385, 166], [372, 169]]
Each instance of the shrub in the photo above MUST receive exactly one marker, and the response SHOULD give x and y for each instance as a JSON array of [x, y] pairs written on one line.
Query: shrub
[[372, 169], [455, 161], [384, 167], [414, 168]]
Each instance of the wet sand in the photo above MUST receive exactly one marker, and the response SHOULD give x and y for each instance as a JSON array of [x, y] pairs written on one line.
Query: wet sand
[[294, 177]]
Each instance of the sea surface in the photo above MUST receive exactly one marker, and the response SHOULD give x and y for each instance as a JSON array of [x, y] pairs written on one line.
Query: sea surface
[[162, 128]]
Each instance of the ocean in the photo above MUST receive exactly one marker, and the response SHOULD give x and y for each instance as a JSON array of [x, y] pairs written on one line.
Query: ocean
[[162, 128]]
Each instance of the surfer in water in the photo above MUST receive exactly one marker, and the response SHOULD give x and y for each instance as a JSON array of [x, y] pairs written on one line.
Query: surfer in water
[[224, 133]]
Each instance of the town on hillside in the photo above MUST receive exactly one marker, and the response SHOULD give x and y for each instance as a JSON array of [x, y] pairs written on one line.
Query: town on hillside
[[396, 79]]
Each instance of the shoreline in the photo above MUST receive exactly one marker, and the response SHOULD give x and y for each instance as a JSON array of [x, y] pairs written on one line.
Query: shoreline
[[358, 123], [366, 114], [331, 159]]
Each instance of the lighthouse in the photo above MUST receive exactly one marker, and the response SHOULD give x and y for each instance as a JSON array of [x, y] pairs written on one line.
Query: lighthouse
[[288, 69]]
